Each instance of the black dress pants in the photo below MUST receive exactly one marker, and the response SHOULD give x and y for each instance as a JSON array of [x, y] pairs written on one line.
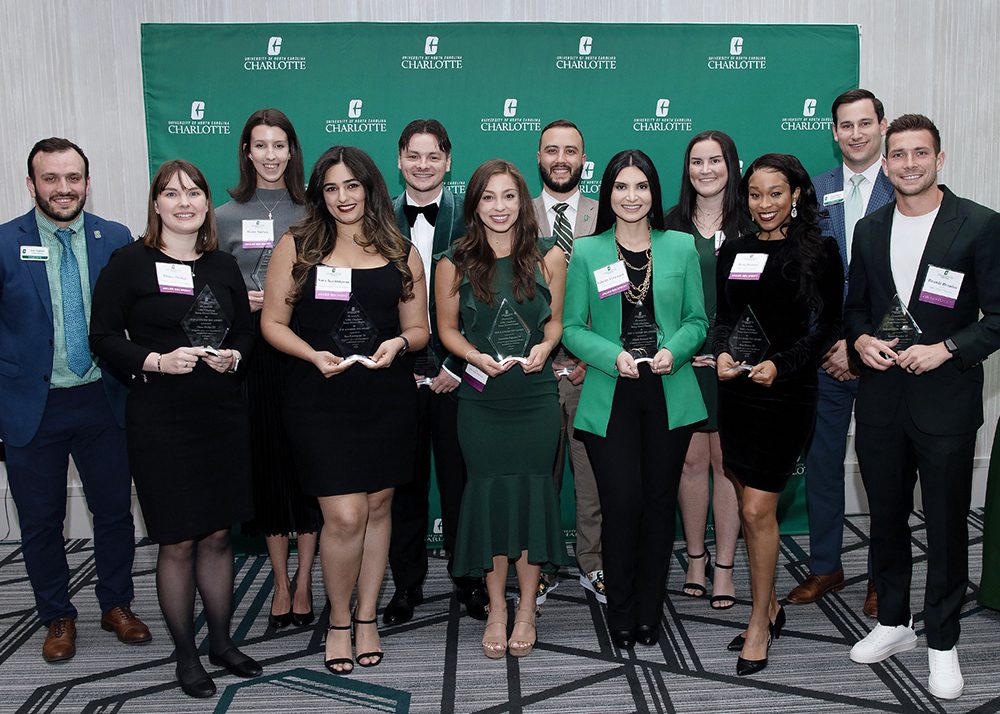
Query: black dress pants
[[638, 467]]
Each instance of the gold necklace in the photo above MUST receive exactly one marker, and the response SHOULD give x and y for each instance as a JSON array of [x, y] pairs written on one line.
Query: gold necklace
[[636, 294]]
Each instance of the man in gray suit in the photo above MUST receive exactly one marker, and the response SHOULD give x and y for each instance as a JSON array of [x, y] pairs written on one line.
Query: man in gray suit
[[855, 188], [562, 211]]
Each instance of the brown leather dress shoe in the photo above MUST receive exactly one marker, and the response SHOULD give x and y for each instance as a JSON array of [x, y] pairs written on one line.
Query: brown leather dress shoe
[[126, 625], [60, 642], [871, 601], [816, 586]]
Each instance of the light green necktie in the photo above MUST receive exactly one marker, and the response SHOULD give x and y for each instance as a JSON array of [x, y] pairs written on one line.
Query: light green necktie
[[854, 210]]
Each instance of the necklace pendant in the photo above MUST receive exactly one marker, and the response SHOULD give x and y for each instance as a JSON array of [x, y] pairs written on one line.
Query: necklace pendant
[[269, 215]]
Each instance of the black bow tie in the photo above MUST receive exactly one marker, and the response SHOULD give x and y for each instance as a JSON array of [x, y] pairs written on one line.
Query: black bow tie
[[430, 212]]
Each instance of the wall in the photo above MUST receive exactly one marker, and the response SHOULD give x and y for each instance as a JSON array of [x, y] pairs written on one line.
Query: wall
[[72, 69]]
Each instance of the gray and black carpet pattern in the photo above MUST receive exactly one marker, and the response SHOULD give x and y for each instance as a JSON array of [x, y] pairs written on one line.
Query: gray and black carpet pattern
[[434, 663]]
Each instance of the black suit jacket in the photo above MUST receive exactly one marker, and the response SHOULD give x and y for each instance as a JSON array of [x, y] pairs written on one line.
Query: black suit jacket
[[965, 237]]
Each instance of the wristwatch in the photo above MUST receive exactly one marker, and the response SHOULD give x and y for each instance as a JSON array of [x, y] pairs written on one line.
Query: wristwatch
[[949, 344], [406, 346]]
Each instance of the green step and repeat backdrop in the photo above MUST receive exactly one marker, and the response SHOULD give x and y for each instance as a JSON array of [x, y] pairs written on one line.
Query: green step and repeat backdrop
[[494, 86]]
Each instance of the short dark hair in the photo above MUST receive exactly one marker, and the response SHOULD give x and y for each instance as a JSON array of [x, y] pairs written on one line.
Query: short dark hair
[[857, 95], [564, 123], [425, 126], [294, 171], [913, 122], [54, 145], [629, 157]]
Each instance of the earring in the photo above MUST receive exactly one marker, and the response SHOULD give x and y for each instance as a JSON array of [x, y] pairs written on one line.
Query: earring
[[795, 211]]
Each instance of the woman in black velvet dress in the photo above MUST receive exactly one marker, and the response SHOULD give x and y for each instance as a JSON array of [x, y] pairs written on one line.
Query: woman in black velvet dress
[[792, 279]]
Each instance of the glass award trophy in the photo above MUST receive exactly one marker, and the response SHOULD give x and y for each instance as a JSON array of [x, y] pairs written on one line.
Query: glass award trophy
[[205, 324], [640, 338], [898, 324], [707, 347], [747, 342], [354, 334], [259, 273], [509, 335]]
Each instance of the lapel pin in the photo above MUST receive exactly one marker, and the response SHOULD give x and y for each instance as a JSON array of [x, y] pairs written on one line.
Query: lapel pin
[[97, 235]]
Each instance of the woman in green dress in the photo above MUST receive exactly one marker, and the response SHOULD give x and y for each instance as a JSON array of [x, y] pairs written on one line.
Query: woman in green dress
[[499, 295], [709, 209]]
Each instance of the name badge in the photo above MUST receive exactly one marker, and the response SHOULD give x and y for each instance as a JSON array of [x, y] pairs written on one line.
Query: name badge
[[611, 279], [748, 266], [34, 252], [941, 286], [175, 278], [830, 199], [475, 377], [333, 283], [258, 233]]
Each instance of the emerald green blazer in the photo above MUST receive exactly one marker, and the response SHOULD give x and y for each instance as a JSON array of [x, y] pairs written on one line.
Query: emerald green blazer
[[592, 327]]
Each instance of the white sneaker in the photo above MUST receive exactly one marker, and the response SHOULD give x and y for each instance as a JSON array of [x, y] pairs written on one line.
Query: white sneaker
[[945, 681], [594, 582], [883, 642]]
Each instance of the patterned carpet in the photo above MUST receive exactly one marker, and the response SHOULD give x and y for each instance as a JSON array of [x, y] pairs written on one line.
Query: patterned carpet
[[434, 663]]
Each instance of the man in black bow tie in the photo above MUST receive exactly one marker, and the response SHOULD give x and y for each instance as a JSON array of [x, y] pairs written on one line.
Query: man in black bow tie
[[431, 217]]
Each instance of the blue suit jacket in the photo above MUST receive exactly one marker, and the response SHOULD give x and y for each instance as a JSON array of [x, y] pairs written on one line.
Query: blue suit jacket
[[26, 331], [833, 225]]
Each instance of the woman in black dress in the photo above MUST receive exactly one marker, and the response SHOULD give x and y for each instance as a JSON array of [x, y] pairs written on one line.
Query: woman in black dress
[[185, 416], [268, 199], [790, 276], [344, 299]]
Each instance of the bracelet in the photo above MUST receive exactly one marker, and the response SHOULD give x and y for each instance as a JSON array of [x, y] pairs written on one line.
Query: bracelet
[[158, 358], [469, 353], [406, 346]]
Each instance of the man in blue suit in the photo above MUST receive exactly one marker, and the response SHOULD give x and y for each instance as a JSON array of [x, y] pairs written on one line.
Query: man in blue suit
[[850, 191], [430, 216], [55, 400]]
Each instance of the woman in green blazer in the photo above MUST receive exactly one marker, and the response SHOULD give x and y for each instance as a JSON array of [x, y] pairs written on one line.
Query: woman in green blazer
[[635, 313]]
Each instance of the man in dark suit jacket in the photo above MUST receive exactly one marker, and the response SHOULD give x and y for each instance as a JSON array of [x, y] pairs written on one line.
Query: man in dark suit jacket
[[919, 407], [854, 189], [561, 160], [56, 401], [430, 216]]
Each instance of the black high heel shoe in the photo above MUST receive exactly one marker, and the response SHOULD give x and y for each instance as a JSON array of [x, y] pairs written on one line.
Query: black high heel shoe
[[279, 621], [374, 658], [346, 662], [699, 590], [752, 666], [774, 628]]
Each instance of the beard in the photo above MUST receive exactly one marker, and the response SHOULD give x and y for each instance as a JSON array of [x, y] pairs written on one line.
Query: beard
[[564, 187], [64, 215]]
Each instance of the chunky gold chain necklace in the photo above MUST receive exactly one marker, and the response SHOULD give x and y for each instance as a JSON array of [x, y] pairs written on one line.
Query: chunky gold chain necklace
[[637, 293]]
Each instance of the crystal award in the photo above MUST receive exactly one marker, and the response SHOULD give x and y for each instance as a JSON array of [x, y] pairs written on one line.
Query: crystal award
[[747, 342], [898, 324], [509, 335], [640, 338], [205, 324], [259, 273], [354, 334]]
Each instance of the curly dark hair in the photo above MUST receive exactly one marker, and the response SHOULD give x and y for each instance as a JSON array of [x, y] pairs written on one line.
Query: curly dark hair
[[803, 235], [473, 256], [316, 235]]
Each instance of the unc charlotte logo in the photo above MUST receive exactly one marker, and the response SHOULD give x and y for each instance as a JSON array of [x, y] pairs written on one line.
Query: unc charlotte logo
[[197, 110], [431, 45], [510, 107], [736, 45], [662, 107], [588, 171], [809, 108], [274, 46], [586, 45], [354, 108]]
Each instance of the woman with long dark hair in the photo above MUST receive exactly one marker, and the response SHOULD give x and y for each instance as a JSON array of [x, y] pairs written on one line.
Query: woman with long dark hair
[[709, 209], [344, 300], [499, 294], [783, 287], [635, 313], [267, 200], [186, 420]]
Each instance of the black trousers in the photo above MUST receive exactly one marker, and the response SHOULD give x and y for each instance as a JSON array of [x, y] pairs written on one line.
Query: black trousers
[[437, 426], [638, 468], [890, 458]]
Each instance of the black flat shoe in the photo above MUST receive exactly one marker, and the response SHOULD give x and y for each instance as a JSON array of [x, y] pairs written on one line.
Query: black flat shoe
[[401, 606], [345, 662], [624, 639], [647, 635], [303, 619], [195, 682], [236, 663]]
